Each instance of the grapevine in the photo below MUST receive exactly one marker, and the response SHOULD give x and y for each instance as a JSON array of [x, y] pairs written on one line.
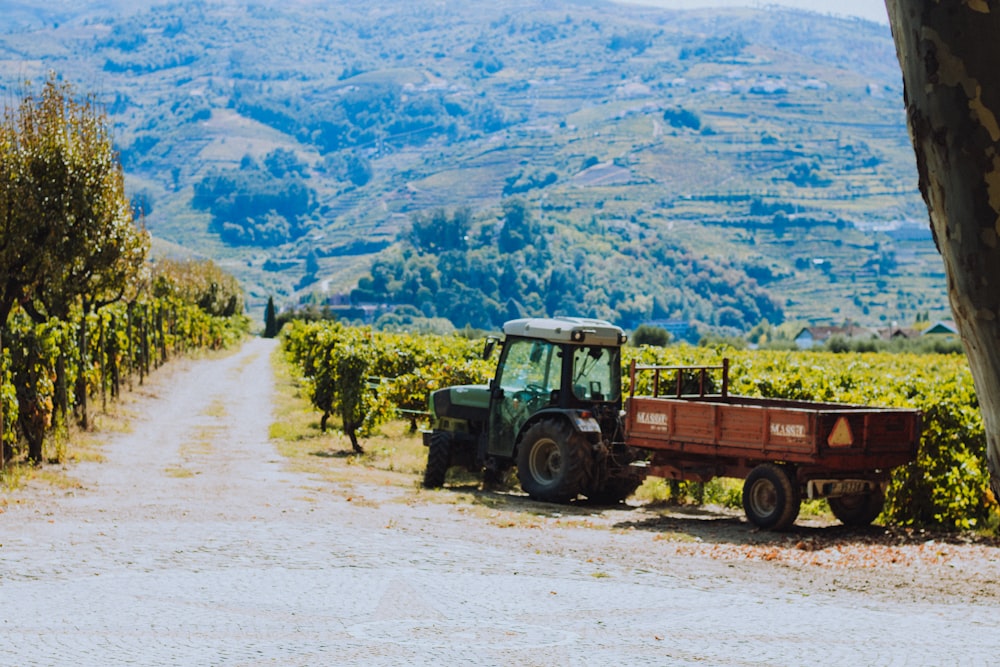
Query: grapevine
[[41, 363]]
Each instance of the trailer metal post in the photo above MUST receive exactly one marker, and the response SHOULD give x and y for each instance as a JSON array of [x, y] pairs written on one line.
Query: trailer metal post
[[725, 377]]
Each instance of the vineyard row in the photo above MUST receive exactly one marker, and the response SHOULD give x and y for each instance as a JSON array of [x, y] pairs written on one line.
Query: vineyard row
[[51, 371]]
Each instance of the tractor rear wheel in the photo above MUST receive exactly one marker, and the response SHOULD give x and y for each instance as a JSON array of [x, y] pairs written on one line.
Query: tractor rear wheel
[[438, 459], [553, 461]]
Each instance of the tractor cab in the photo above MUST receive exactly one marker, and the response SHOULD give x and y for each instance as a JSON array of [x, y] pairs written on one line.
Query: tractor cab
[[553, 409], [564, 365]]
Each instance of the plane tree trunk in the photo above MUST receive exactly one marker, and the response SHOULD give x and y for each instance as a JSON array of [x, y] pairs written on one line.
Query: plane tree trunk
[[951, 75]]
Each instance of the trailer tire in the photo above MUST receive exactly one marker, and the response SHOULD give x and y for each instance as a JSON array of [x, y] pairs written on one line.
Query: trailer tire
[[438, 459], [771, 498], [858, 510], [553, 461]]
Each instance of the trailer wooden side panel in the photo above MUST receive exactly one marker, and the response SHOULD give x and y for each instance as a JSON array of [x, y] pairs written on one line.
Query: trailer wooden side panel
[[741, 427], [842, 437], [788, 431], [695, 423]]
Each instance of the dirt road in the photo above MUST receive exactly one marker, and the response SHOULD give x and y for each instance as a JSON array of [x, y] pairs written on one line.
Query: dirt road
[[193, 544]]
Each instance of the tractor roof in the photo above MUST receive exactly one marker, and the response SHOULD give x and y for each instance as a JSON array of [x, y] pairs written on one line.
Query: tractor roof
[[578, 330]]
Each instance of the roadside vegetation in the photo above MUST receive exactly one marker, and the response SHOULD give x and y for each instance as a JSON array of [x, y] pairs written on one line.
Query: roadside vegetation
[[84, 314]]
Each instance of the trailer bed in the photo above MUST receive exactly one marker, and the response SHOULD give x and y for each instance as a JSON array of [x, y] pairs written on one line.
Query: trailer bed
[[842, 437], [728, 435]]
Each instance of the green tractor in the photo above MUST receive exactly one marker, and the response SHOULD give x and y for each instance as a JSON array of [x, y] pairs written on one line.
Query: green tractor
[[553, 409]]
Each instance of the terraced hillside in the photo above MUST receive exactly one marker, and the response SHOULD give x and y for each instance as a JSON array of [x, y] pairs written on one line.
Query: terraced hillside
[[766, 145]]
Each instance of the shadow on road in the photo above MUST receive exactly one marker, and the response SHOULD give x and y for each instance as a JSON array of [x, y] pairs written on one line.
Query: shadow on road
[[334, 453], [716, 525]]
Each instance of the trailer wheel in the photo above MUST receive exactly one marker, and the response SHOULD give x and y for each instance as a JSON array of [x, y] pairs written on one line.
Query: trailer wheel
[[438, 459], [552, 461], [770, 498], [858, 510]]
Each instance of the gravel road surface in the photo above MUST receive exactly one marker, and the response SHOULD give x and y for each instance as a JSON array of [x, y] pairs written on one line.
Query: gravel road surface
[[193, 543]]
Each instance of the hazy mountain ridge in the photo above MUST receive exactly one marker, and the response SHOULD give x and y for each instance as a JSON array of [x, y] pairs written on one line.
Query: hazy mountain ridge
[[763, 139]]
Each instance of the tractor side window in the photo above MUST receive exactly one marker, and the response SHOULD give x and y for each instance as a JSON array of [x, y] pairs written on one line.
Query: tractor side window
[[596, 373], [531, 365]]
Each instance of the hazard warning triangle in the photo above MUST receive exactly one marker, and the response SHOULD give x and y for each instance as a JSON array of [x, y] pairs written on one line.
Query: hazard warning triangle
[[841, 435]]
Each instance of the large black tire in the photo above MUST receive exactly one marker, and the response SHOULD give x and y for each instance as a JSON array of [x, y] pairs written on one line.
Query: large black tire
[[438, 459], [771, 499], [553, 461], [858, 510], [614, 491]]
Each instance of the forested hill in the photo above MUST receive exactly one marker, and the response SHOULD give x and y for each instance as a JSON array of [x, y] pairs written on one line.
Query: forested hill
[[633, 163]]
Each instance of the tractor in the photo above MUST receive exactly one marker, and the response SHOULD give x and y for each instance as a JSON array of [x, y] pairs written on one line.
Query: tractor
[[553, 409]]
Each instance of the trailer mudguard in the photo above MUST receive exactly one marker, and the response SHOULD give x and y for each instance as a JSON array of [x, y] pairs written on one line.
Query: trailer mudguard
[[584, 424]]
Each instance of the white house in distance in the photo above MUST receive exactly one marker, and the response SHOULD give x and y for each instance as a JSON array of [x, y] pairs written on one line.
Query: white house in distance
[[811, 337]]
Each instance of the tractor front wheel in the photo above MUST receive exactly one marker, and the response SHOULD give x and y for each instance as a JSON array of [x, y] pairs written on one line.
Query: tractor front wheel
[[438, 459]]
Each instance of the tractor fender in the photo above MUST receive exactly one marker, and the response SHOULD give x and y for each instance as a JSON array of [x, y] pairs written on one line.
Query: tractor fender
[[586, 426]]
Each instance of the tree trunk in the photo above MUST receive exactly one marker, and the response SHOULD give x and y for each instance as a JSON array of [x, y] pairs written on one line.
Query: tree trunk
[[352, 434], [102, 357], [146, 333], [81, 378], [3, 452], [951, 74], [112, 351], [130, 346], [60, 402]]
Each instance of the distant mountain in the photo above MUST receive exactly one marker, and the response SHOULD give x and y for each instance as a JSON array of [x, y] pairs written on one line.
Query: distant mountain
[[713, 167]]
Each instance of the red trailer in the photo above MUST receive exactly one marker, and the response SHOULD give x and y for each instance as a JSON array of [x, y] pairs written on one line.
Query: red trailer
[[784, 449]]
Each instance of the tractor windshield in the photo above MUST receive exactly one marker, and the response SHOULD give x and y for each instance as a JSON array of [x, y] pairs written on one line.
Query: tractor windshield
[[596, 373]]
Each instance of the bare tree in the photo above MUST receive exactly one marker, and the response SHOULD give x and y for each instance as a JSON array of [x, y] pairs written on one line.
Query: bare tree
[[951, 73]]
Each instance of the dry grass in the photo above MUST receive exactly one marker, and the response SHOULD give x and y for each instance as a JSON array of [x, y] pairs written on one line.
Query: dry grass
[[394, 457], [179, 472], [63, 446], [69, 444], [217, 409]]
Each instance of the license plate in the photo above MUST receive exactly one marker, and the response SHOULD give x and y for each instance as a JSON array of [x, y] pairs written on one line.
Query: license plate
[[850, 487]]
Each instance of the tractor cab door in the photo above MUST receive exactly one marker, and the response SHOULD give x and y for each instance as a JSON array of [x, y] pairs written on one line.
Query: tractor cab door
[[529, 377]]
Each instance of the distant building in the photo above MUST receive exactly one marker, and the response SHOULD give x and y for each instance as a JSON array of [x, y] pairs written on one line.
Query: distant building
[[811, 337], [896, 333], [679, 329], [944, 328]]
